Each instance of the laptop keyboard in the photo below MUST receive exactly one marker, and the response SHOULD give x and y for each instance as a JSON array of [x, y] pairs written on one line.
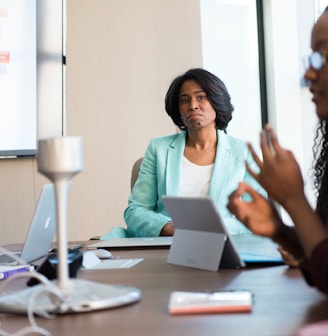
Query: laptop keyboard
[[7, 259]]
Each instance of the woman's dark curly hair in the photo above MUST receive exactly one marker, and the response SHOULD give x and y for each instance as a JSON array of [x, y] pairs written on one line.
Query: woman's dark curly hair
[[320, 153], [216, 93]]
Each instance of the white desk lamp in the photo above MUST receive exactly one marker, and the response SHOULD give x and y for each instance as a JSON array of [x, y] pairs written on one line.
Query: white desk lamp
[[59, 159]]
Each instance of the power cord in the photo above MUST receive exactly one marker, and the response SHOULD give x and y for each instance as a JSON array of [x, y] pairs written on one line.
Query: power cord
[[49, 288]]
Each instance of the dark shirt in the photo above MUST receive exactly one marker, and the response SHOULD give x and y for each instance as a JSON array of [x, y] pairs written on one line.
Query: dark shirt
[[315, 272], [318, 275]]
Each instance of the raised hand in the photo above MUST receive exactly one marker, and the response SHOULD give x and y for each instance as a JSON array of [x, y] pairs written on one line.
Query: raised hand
[[259, 215], [279, 173]]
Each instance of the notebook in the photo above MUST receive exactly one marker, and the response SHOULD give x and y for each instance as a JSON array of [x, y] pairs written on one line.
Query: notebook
[[41, 231], [201, 239], [134, 243]]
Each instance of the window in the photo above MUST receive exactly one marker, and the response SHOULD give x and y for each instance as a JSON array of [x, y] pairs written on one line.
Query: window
[[230, 50]]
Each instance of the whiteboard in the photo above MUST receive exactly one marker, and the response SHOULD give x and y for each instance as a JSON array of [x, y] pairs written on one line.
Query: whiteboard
[[18, 77], [31, 74]]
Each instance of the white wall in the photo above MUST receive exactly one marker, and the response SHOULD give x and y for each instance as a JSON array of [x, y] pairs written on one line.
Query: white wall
[[121, 57]]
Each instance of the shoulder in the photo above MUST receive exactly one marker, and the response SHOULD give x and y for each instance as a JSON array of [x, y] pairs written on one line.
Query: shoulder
[[168, 139], [235, 144]]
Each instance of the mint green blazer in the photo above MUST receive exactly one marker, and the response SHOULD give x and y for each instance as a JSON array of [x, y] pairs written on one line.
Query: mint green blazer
[[159, 175]]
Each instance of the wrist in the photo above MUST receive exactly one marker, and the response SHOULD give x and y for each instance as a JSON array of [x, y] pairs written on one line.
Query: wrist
[[280, 234], [287, 239], [294, 204]]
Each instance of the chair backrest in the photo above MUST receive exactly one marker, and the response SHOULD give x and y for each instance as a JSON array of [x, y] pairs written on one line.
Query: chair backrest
[[135, 172]]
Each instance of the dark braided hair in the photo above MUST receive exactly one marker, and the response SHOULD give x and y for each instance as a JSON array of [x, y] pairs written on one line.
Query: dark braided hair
[[320, 153], [216, 93]]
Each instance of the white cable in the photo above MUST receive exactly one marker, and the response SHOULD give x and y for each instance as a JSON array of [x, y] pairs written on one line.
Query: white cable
[[31, 273], [27, 330], [54, 295]]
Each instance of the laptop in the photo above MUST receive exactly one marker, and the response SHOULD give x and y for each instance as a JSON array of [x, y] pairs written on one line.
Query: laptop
[[202, 241], [41, 231], [134, 243]]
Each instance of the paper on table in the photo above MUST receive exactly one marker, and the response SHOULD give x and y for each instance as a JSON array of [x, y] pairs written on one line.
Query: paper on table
[[91, 261], [117, 263]]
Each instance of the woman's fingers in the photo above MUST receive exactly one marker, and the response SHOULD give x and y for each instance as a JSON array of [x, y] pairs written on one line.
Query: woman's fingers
[[254, 155]]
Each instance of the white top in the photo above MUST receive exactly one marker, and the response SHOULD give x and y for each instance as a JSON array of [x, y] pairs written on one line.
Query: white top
[[194, 180]]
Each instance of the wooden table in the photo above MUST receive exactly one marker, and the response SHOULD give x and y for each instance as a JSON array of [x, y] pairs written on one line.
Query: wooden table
[[283, 302]]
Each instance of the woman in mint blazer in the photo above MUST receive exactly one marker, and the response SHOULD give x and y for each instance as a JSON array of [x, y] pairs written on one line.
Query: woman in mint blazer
[[160, 173], [200, 160]]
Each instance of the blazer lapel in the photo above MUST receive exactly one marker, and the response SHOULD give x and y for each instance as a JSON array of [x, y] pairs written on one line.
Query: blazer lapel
[[221, 166], [174, 158]]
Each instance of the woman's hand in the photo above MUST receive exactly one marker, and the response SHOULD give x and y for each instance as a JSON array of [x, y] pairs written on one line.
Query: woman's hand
[[288, 258], [258, 215], [168, 229], [279, 173]]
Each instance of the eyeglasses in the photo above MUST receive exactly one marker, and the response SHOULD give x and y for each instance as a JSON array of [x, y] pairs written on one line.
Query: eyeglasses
[[317, 60]]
